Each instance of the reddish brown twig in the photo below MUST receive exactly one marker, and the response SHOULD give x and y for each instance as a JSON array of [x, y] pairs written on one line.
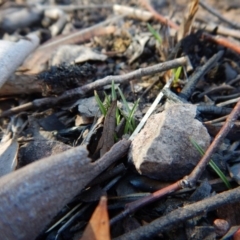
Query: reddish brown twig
[[198, 170], [222, 41], [190, 180], [134, 206], [158, 16]]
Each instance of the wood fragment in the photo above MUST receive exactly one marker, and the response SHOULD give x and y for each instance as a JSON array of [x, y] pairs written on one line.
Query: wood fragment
[[31, 196], [218, 15]]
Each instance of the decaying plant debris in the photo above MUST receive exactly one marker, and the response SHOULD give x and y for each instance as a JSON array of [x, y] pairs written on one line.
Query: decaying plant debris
[[79, 81]]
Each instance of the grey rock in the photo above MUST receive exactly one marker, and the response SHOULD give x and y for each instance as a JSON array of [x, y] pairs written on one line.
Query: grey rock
[[162, 150]]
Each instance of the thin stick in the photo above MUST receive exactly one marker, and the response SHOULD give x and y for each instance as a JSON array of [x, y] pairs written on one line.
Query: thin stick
[[158, 16], [74, 7], [194, 79], [182, 214], [150, 110], [81, 91], [217, 14], [134, 206], [222, 41]]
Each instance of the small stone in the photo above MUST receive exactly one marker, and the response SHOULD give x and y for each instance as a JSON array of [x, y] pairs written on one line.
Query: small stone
[[163, 150], [221, 227]]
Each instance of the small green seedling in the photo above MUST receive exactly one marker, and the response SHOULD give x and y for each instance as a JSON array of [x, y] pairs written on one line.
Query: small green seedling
[[212, 165], [154, 33], [129, 117], [177, 73]]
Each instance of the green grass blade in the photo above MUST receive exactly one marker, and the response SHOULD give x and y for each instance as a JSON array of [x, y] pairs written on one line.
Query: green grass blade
[[123, 99], [220, 173], [213, 165], [107, 101], [131, 116], [154, 33], [177, 73], [100, 104]]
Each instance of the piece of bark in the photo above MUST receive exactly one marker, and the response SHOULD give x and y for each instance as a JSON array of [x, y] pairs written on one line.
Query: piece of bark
[[31, 196], [109, 129], [21, 84], [13, 54]]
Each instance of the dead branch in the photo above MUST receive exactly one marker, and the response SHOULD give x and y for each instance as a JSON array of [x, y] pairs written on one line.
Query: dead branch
[[193, 80], [81, 91], [222, 41], [37, 192], [158, 16], [217, 14]]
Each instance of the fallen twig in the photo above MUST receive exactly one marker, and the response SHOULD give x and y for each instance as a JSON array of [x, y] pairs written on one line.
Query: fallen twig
[[193, 80], [217, 14], [222, 41], [81, 91], [182, 214], [158, 16]]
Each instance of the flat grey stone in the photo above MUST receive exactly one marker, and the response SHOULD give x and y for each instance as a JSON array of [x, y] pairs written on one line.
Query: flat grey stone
[[162, 150]]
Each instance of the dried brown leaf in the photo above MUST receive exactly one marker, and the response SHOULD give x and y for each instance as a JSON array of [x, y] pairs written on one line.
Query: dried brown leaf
[[98, 226]]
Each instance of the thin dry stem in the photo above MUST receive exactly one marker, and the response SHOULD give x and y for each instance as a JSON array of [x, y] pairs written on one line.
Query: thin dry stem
[[81, 91]]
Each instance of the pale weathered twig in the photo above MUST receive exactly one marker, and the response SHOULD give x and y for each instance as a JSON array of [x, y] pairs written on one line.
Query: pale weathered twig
[[132, 12], [182, 214], [217, 14], [73, 7], [81, 91], [37, 192], [150, 110], [210, 27]]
